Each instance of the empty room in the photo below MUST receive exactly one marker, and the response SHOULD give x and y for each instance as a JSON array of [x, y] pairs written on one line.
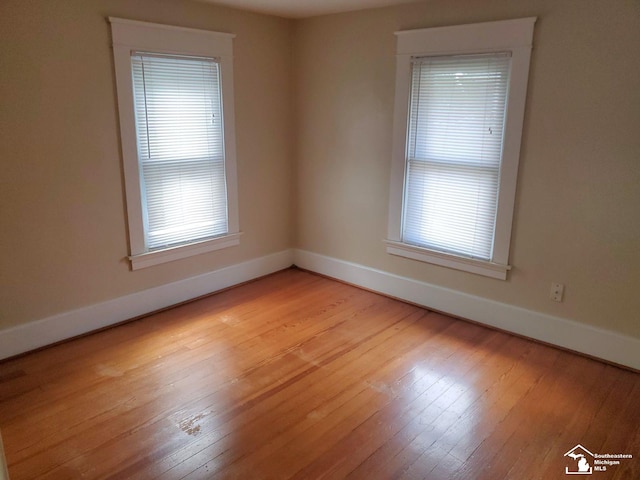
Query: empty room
[[319, 239]]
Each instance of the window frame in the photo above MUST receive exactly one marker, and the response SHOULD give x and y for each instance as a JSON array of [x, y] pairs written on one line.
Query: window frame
[[513, 36], [130, 36]]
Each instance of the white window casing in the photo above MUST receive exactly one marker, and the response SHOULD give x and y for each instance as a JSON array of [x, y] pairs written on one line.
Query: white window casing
[[176, 107], [430, 162]]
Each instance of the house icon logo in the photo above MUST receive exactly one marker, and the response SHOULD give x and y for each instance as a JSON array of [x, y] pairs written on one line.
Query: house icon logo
[[582, 465]]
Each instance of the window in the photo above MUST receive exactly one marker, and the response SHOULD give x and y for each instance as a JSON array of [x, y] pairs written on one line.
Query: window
[[176, 117], [460, 94]]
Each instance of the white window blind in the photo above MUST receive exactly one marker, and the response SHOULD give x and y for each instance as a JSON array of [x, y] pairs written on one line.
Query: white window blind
[[454, 151], [179, 126]]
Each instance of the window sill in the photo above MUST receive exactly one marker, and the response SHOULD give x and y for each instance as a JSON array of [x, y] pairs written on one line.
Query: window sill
[[157, 257], [480, 267]]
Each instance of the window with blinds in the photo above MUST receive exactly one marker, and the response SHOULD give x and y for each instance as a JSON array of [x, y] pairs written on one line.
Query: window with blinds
[[454, 152], [180, 146]]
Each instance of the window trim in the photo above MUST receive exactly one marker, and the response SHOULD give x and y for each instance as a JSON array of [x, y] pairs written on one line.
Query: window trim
[[514, 36], [132, 35]]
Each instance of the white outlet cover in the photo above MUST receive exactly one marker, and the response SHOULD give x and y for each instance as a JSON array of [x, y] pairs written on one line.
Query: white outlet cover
[[557, 291]]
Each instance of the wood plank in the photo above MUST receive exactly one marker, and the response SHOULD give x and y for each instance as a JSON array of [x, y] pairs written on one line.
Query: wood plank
[[298, 376]]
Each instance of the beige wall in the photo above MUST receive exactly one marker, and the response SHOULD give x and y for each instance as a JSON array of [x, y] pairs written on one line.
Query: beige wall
[[577, 216], [318, 179], [63, 228]]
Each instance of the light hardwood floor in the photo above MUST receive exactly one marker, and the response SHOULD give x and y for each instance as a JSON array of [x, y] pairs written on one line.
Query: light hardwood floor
[[298, 376]]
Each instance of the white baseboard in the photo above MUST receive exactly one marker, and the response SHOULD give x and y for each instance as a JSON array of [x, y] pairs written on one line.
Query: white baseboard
[[579, 337], [26, 337]]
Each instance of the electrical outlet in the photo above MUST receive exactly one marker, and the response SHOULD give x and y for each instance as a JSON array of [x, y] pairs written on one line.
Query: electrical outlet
[[557, 291]]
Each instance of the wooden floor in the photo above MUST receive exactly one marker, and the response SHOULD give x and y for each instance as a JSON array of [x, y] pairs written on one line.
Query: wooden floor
[[297, 376]]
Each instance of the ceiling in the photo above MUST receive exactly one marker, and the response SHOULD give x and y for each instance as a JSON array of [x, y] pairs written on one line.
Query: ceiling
[[304, 8]]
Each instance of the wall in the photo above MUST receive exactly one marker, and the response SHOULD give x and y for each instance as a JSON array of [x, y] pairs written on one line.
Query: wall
[[63, 233], [577, 218]]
